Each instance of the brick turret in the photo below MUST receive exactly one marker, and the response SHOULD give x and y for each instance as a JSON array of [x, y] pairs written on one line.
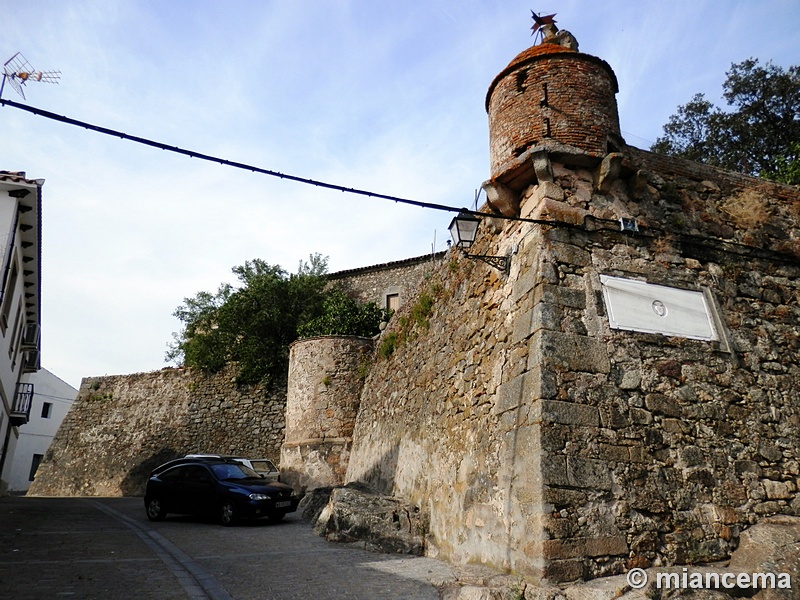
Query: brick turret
[[549, 96]]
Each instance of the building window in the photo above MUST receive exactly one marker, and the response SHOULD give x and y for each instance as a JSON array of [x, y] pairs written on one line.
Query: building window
[[8, 296], [392, 302], [35, 462], [47, 410]]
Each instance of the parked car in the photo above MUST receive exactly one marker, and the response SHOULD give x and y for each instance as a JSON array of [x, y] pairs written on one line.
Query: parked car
[[215, 486], [262, 466]]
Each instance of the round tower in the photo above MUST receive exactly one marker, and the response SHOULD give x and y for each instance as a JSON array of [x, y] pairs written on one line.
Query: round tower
[[326, 375], [552, 95]]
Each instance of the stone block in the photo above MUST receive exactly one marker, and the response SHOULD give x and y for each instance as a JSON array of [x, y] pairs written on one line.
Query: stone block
[[561, 571], [548, 189], [639, 454], [524, 284], [564, 497], [568, 352], [585, 547], [511, 394], [560, 295], [776, 490], [639, 416], [608, 172], [554, 470], [659, 403], [569, 413], [542, 316], [547, 209], [588, 473], [614, 453], [383, 523], [542, 166], [542, 383], [571, 254], [501, 198]]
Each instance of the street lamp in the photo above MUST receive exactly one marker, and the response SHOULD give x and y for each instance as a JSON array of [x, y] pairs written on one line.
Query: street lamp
[[463, 230]]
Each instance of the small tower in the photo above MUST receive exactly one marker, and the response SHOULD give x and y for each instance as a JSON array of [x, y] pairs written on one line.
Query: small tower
[[550, 97]]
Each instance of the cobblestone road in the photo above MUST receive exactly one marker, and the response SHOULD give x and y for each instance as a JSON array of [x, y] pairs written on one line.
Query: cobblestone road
[[106, 548]]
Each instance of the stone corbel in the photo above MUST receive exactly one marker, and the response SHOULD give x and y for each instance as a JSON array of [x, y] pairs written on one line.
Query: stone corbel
[[608, 172], [501, 198], [542, 166]]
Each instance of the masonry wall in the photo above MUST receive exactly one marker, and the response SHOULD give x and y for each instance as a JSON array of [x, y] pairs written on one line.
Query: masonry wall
[[326, 375], [120, 427], [372, 284], [540, 440]]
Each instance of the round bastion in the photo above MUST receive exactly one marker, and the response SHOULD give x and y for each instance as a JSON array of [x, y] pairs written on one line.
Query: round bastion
[[550, 93]]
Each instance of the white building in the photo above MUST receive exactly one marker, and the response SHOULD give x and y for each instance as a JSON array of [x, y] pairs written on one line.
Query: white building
[[20, 306], [52, 398]]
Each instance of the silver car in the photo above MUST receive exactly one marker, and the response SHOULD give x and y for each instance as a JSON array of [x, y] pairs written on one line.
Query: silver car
[[263, 466]]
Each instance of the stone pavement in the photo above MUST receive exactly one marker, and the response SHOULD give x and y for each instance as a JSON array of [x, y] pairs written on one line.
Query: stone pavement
[[106, 548]]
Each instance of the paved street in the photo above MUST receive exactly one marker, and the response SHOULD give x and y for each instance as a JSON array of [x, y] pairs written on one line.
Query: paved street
[[106, 548]]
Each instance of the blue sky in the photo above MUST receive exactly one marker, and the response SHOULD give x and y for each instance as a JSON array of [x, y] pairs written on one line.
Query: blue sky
[[382, 96]]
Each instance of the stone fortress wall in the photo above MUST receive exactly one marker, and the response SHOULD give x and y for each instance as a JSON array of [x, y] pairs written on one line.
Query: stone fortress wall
[[326, 375], [121, 427], [540, 440]]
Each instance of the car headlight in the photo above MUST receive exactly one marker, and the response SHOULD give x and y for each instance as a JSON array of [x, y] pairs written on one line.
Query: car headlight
[[259, 497]]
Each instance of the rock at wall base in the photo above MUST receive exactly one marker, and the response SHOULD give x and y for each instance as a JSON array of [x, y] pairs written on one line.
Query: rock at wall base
[[356, 514]]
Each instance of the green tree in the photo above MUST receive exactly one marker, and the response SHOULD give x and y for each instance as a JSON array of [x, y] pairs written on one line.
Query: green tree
[[252, 324], [342, 315], [758, 134]]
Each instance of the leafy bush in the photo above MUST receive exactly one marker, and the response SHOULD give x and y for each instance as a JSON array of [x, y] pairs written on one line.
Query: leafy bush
[[342, 315], [253, 324]]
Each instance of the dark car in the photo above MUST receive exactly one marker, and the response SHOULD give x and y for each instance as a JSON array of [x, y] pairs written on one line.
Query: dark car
[[221, 487]]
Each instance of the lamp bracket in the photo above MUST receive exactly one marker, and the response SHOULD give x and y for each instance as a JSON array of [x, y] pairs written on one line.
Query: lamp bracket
[[501, 263]]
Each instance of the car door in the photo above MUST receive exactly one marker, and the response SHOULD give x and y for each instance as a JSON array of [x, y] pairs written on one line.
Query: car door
[[169, 489], [199, 492]]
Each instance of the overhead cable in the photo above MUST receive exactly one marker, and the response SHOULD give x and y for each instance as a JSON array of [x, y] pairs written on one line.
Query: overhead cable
[[609, 225]]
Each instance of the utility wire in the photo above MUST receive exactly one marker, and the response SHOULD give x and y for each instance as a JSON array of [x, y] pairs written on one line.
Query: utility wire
[[604, 224], [229, 163]]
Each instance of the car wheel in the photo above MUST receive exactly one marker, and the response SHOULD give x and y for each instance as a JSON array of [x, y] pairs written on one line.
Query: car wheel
[[155, 509], [228, 515], [276, 516]]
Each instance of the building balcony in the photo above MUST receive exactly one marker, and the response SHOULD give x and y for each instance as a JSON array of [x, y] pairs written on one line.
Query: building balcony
[[21, 411]]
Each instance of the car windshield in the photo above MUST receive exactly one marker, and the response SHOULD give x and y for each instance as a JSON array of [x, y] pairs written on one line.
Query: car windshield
[[234, 471], [263, 465]]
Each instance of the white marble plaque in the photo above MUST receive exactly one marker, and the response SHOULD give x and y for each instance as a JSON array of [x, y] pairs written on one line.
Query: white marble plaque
[[639, 306]]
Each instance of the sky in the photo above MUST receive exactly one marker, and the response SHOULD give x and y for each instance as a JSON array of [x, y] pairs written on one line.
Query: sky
[[382, 96]]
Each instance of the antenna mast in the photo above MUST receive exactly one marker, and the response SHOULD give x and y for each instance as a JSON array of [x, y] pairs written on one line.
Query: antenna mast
[[17, 71]]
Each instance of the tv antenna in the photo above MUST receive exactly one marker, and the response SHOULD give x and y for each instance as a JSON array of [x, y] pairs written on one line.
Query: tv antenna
[[17, 71]]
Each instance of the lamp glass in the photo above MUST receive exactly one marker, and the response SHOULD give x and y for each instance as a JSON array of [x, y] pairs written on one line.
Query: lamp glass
[[464, 229]]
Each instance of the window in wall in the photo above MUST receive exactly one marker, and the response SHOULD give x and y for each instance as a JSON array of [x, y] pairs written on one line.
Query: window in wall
[[8, 296], [16, 337], [47, 410], [35, 462], [392, 302]]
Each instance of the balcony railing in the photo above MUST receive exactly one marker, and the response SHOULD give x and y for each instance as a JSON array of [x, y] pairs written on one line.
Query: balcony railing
[[21, 411]]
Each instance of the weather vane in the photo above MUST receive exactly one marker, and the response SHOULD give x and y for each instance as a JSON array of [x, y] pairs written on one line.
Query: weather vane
[[539, 23], [544, 27], [17, 71]]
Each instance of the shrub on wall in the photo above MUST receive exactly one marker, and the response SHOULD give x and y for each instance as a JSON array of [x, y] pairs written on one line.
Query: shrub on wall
[[342, 315]]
